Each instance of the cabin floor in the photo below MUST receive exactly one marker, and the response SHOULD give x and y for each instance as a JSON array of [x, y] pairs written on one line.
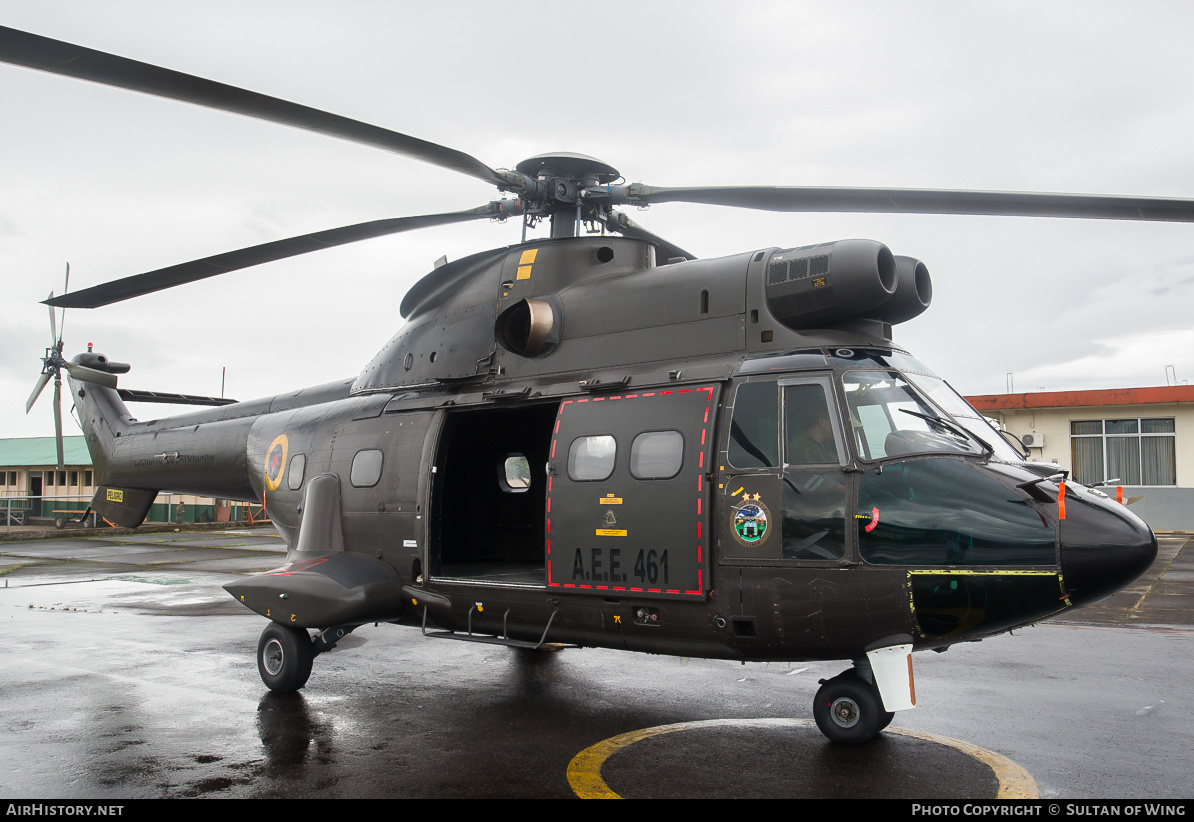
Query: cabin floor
[[506, 573]]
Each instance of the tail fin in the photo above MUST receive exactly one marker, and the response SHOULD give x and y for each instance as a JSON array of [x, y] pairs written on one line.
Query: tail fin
[[123, 506], [105, 419]]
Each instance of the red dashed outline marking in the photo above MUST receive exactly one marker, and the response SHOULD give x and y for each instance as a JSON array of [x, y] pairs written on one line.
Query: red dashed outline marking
[[700, 493]]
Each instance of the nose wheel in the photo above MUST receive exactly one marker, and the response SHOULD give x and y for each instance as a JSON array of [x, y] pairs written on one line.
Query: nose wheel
[[284, 657], [849, 709]]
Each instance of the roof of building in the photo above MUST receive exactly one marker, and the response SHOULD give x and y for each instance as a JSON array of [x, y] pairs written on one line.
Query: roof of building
[[36, 452], [1157, 395]]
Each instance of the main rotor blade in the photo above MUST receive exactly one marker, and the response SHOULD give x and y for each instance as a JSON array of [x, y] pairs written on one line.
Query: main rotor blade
[[58, 421], [921, 201], [37, 389], [189, 272], [53, 329], [630, 228], [56, 57], [84, 374]]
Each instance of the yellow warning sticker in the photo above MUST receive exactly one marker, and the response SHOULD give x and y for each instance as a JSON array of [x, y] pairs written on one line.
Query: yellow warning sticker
[[528, 256], [609, 499], [610, 532], [524, 272], [115, 495]]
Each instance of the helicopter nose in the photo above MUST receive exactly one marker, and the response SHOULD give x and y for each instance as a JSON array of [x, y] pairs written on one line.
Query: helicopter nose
[[1104, 546]]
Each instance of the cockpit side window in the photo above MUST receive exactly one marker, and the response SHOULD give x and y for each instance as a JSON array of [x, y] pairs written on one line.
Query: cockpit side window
[[754, 428], [808, 426]]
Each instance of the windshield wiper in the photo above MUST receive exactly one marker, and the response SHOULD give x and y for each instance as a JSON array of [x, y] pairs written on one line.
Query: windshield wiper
[[955, 429]]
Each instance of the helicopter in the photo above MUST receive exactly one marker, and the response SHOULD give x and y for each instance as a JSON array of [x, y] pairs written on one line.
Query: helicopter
[[603, 441]]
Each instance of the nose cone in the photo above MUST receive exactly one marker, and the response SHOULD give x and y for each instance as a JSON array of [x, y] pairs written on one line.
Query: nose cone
[[1104, 546]]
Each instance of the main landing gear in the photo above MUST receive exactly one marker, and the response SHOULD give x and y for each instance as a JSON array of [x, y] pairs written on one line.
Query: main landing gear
[[848, 708], [285, 654]]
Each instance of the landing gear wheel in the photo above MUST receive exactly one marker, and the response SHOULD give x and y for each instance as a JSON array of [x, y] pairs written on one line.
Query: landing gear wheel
[[284, 657], [848, 709]]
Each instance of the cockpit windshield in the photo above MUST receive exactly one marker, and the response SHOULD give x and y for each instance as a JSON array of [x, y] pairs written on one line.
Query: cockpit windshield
[[890, 418], [963, 413]]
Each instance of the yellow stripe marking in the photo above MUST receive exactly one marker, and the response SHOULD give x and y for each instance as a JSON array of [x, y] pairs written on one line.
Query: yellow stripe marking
[[584, 771], [528, 256], [951, 572], [524, 272]]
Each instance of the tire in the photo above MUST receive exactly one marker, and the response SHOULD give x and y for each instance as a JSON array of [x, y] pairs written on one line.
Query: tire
[[60, 521], [284, 657], [849, 710]]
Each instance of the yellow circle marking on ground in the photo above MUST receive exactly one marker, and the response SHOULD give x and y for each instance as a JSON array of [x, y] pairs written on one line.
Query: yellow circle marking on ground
[[584, 771]]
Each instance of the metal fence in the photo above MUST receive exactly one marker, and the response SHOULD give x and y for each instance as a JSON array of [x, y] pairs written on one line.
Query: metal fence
[[167, 508]]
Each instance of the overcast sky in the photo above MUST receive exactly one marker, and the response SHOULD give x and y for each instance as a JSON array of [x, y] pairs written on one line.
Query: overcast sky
[[1085, 97]]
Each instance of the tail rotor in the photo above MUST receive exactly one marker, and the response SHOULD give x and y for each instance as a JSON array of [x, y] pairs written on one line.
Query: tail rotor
[[52, 365]]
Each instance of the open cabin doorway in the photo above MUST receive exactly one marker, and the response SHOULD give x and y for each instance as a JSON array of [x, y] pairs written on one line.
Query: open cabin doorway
[[489, 494]]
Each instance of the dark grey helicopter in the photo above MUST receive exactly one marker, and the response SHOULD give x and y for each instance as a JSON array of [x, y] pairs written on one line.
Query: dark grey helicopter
[[603, 441]]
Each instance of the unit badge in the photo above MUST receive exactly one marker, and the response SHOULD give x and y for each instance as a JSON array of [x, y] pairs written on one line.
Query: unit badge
[[751, 520]]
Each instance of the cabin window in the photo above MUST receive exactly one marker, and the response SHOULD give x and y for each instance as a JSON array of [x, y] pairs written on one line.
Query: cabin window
[[515, 476], [298, 467], [592, 458], [366, 468], [754, 429], [656, 455]]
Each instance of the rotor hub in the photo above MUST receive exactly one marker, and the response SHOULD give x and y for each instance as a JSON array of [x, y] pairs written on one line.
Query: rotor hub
[[578, 168]]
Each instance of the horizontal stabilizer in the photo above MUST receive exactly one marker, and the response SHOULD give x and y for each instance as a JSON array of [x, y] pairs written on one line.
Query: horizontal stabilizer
[[132, 395]]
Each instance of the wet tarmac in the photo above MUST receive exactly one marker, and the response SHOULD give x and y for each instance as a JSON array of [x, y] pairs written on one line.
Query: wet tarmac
[[128, 672]]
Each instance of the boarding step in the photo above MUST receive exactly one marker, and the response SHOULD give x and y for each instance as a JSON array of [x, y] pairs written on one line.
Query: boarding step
[[441, 603]]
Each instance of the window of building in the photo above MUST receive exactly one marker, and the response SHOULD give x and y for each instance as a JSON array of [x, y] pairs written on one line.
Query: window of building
[[1141, 451], [74, 478], [86, 479]]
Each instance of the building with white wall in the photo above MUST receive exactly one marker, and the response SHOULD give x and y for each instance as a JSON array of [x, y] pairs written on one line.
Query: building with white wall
[[30, 482], [1141, 437]]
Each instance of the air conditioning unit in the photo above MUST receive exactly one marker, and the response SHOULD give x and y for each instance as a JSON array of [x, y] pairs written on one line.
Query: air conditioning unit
[[1033, 440]]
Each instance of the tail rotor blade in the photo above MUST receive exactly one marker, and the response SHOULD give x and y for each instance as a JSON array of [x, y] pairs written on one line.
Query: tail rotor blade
[[53, 325], [58, 422], [65, 291], [84, 374], [37, 389]]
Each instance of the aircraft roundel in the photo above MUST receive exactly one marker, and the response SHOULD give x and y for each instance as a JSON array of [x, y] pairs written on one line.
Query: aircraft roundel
[[275, 462]]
